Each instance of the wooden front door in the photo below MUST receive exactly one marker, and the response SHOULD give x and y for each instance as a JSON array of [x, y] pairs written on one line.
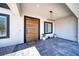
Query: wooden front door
[[31, 29]]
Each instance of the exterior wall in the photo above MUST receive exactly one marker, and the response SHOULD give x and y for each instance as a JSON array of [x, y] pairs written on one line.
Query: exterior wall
[[16, 30], [66, 28]]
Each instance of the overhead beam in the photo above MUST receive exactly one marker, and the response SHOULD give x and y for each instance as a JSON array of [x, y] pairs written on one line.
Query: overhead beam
[[74, 7], [15, 8]]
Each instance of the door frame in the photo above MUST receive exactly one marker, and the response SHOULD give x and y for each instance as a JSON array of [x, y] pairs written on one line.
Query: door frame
[[25, 18]]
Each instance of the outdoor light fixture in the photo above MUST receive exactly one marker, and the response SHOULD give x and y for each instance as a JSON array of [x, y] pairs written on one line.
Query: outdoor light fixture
[[51, 18]]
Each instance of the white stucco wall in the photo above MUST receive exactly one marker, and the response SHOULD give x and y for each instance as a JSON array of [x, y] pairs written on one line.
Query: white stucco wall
[[16, 29], [67, 28]]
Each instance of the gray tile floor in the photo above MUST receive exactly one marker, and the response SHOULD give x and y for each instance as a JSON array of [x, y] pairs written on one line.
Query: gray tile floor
[[58, 47], [49, 47]]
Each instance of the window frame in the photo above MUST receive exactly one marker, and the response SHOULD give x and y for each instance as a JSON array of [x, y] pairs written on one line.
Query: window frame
[[7, 25], [47, 27]]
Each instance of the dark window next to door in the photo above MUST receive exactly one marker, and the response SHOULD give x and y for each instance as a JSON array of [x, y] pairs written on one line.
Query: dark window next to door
[[48, 27]]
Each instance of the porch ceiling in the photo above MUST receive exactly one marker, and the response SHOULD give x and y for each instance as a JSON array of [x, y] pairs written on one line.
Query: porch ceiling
[[42, 9]]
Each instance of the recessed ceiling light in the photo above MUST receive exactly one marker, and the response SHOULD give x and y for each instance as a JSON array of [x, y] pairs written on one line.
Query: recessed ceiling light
[[37, 5]]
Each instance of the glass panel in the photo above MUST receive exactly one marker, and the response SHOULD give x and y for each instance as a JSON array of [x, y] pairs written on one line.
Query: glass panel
[[3, 26], [49, 28], [46, 28]]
